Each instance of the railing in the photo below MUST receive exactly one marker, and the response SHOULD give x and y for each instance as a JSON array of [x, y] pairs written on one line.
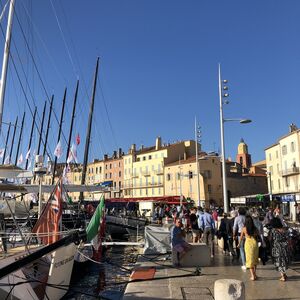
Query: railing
[[292, 171]]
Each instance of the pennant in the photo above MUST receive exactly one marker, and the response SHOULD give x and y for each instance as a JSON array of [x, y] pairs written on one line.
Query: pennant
[[7, 160], [48, 223], [77, 139], [20, 160], [27, 155], [58, 150], [2, 152]]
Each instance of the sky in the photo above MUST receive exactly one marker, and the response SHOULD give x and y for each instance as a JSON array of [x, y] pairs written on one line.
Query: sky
[[158, 70]]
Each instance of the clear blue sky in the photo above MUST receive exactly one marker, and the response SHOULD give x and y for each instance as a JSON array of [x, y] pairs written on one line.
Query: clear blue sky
[[159, 69]]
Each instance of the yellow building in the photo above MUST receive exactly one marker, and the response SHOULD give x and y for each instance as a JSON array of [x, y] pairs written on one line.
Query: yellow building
[[283, 160], [144, 168], [181, 179]]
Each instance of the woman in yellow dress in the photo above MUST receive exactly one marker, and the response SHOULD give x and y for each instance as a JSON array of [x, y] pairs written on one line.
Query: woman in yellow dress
[[251, 246]]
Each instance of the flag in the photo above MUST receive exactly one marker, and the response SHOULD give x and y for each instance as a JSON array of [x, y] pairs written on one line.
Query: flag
[[58, 150], [93, 227], [7, 160], [20, 160], [27, 155], [77, 139], [72, 154], [48, 223], [2, 152]]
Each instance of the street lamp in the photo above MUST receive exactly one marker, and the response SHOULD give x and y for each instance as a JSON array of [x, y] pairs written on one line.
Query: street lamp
[[223, 95], [269, 175], [197, 140]]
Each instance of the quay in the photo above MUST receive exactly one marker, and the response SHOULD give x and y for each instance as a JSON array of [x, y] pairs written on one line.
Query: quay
[[170, 282]]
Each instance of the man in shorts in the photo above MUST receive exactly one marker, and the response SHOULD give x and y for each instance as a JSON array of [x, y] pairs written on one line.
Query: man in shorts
[[178, 242]]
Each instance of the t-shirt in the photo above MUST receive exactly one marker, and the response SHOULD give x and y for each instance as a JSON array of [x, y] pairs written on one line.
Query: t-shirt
[[176, 236], [194, 221]]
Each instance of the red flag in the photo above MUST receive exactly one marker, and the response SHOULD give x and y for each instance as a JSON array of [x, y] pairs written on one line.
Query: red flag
[[77, 139], [48, 223]]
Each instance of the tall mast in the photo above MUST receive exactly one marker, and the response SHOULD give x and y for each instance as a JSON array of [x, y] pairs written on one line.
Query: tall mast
[[13, 140], [6, 143], [30, 138], [59, 131], [5, 59], [41, 130], [88, 135], [72, 120], [20, 137], [48, 126]]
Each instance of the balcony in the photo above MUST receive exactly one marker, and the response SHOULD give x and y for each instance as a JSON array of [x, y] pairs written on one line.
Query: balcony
[[146, 173], [289, 172], [159, 172]]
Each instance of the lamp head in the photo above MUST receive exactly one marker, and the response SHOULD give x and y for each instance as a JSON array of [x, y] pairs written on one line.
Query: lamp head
[[245, 121], [225, 81]]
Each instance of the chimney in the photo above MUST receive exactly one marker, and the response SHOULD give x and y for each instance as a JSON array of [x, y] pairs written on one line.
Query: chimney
[[115, 155], [184, 156], [132, 149], [158, 143], [120, 153], [105, 156]]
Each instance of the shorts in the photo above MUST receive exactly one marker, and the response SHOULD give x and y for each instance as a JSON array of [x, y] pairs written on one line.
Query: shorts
[[181, 247]]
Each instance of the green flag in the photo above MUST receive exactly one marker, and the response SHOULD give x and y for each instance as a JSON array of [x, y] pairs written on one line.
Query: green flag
[[93, 227]]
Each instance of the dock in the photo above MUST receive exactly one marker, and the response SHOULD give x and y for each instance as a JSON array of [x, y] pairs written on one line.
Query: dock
[[168, 282]]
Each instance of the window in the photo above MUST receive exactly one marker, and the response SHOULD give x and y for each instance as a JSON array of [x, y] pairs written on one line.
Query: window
[[168, 177], [110, 166], [207, 174], [144, 157], [100, 169], [125, 171], [106, 176], [287, 181], [292, 147], [270, 156], [209, 188], [276, 154], [120, 173], [96, 170], [279, 184], [178, 176], [110, 175], [190, 174], [125, 161], [105, 167], [284, 150], [150, 157], [271, 170]]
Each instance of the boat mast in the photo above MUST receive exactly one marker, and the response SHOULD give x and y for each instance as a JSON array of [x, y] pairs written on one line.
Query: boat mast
[[48, 126], [41, 130], [6, 142], [30, 138], [59, 131], [72, 120], [13, 140], [20, 137], [88, 135], [5, 59]]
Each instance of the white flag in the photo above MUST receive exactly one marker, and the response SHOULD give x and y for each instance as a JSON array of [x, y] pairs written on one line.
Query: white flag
[[7, 160], [27, 154], [74, 152], [2, 152], [20, 160], [58, 150]]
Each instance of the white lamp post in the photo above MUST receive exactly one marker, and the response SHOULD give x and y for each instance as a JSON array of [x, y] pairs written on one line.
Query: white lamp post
[[222, 120], [197, 137]]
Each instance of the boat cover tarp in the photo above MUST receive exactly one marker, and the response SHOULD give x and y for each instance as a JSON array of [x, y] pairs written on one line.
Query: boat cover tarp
[[157, 240]]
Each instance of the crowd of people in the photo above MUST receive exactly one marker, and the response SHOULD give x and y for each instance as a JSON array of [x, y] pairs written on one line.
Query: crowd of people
[[247, 235]]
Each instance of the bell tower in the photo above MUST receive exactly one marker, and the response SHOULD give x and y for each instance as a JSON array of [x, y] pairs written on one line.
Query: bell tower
[[243, 157]]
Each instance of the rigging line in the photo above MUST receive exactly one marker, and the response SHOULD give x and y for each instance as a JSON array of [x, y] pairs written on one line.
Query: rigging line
[[63, 37], [106, 110], [36, 68], [79, 67], [44, 46], [22, 68], [3, 11]]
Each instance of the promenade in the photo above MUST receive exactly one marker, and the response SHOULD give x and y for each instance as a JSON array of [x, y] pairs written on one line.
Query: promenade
[[184, 283]]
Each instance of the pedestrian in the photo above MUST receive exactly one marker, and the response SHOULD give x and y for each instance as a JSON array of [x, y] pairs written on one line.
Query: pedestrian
[[215, 217], [178, 242], [250, 234], [238, 225], [194, 225], [208, 228], [279, 238], [269, 216], [223, 233]]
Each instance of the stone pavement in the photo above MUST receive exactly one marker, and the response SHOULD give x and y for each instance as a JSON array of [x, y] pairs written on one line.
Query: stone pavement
[[183, 283]]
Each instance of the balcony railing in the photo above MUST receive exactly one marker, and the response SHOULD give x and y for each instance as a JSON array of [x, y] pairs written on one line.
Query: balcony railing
[[288, 172]]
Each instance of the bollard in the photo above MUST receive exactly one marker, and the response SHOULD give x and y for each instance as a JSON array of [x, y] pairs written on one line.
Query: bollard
[[229, 289]]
